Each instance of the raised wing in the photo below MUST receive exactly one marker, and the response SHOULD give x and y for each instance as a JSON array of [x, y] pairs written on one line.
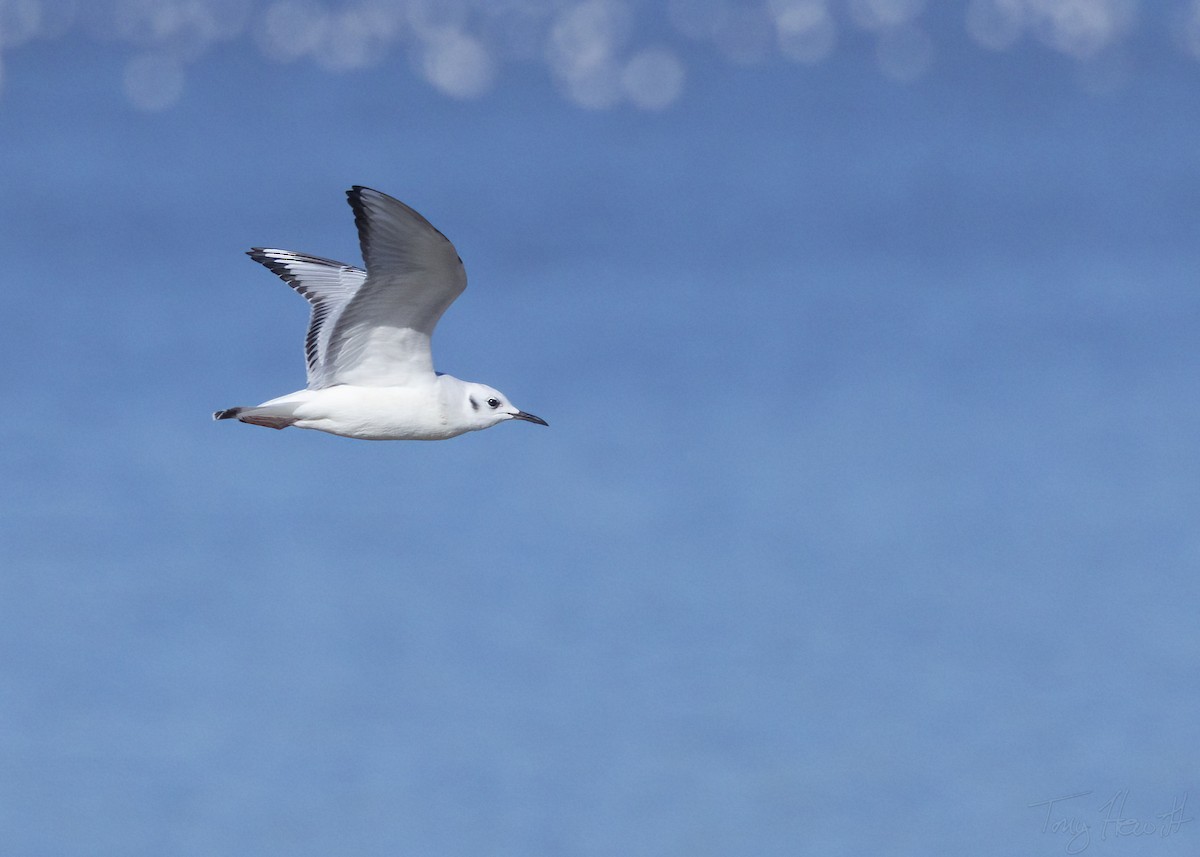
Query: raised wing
[[381, 336], [328, 286]]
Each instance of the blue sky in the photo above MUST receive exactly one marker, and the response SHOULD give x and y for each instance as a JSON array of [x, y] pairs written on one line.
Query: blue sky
[[866, 517]]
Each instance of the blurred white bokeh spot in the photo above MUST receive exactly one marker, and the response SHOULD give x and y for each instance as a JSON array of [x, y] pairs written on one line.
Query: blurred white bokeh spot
[[291, 28], [458, 65], [995, 24], [153, 81], [904, 53], [595, 87], [1081, 28], [587, 35], [351, 39], [20, 21], [805, 29], [461, 46], [185, 29], [653, 78], [581, 49], [881, 14]]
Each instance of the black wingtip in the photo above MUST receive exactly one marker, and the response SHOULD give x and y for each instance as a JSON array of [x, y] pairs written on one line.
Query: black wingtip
[[355, 196], [227, 414], [264, 257]]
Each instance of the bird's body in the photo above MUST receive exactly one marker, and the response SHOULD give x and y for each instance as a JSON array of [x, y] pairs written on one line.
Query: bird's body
[[370, 369], [430, 409]]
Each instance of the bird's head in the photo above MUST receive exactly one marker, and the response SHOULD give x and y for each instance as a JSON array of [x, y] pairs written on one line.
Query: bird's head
[[488, 407]]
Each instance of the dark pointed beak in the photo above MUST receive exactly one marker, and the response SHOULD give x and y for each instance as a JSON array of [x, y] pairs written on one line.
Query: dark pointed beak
[[521, 415]]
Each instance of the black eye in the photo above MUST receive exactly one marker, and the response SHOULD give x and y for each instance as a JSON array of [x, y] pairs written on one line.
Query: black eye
[[493, 403]]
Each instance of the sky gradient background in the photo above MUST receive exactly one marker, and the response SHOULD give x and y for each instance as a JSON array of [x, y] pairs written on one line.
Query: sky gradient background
[[866, 519]]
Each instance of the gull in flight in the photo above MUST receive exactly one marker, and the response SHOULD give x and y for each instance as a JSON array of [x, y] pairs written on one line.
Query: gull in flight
[[370, 369]]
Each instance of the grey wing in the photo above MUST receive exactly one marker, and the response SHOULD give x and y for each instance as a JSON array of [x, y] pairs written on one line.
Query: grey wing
[[381, 337], [327, 285]]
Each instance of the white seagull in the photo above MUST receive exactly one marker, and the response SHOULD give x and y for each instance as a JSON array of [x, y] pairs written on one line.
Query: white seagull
[[370, 368]]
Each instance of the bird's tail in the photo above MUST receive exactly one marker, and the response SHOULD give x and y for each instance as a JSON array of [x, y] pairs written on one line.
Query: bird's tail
[[260, 416]]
